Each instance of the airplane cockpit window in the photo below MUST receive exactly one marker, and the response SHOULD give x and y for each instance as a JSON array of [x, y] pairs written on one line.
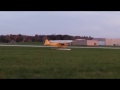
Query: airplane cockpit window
[[62, 44]]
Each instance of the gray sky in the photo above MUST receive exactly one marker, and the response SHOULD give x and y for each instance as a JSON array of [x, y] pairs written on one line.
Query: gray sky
[[88, 23]]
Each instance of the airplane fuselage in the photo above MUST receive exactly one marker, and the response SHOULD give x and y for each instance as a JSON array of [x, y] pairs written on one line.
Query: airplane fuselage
[[57, 44]]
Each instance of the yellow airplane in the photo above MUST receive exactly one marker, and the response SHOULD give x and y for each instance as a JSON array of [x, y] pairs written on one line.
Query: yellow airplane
[[56, 44]]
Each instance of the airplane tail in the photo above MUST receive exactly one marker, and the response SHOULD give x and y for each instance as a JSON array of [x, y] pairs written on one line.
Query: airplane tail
[[46, 42]]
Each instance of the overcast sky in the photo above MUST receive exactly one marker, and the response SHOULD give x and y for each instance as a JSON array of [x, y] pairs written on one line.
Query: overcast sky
[[88, 23]]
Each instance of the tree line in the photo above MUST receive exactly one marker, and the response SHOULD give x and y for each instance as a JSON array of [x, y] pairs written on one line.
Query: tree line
[[39, 38]]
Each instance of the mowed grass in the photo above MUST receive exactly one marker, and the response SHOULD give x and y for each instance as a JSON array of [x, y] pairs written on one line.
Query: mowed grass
[[23, 43], [29, 43], [46, 63]]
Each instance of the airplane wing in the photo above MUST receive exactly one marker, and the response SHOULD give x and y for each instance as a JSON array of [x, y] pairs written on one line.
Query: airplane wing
[[61, 41]]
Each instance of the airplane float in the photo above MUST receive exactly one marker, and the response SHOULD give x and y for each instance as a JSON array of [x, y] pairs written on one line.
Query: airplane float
[[57, 44]]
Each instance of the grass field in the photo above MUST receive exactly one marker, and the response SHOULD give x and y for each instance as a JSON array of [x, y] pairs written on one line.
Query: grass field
[[44, 63], [30, 43], [23, 43]]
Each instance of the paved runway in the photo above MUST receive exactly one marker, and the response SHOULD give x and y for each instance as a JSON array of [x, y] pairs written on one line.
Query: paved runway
[[68, 46]]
